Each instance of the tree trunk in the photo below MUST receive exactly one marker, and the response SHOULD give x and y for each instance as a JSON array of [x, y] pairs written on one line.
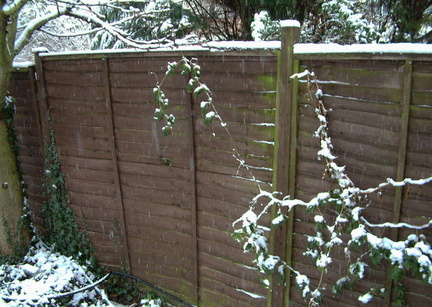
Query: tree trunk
[[11, 195]]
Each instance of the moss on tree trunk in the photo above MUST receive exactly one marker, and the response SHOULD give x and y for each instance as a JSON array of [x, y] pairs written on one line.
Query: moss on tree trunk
[[11, 196]]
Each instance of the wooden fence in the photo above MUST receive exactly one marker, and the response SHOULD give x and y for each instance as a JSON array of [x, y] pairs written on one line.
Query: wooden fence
[[163, 207]]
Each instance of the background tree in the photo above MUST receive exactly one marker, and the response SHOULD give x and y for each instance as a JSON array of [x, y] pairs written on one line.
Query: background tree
[[231, 19], [158, 21], [340, 21], [406, 20]]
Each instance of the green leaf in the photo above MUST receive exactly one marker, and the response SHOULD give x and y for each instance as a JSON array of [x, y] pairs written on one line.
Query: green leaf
[[310, 209], [399, 291], [320, 226], [396, 273], [158, 115], [185, 69], [237, 235], [167, 130], [158, 95], [209, 117], [171, 68], [196, 71], [171, 119], [191, 85], [204, 107], [376, 255]]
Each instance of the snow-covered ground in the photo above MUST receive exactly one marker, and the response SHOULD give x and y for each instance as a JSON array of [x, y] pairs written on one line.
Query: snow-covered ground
[[43, 276]]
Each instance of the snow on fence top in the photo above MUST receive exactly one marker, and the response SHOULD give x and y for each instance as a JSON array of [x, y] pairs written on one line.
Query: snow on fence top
[[400, 48], [299, 49], [290, 23]]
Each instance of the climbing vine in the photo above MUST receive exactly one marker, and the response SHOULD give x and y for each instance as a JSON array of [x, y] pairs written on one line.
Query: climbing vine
[[190, 68], [339, 223], [62, 229], [200, 92]]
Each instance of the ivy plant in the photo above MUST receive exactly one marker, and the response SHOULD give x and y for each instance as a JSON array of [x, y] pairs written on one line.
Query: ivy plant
[[62, 229]]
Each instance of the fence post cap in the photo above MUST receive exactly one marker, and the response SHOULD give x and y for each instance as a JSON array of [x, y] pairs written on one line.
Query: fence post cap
[[290, 23], [39, 50]]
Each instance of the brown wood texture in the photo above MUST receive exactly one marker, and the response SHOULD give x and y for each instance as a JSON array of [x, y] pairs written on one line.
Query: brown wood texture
[[245, 100], [180, 202]]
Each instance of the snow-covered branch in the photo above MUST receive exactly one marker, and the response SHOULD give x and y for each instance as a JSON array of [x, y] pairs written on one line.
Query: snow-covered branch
[[396, 225], [114, 31], [391, 182], [35, 24]]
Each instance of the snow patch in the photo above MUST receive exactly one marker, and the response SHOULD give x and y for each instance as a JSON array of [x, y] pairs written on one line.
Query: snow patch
[[363, 48], [290, 23], [365, 298], [43, 276]]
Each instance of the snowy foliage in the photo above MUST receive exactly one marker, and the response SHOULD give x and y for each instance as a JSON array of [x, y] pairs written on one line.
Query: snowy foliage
[[339, 21], [361, 21], [343, 21], [43, 277], [263, 28]]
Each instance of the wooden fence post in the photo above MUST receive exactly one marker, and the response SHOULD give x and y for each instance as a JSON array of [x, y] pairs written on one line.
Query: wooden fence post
[[400, 173], [41, 100], [117, 183], [194, 201], [283, 149]]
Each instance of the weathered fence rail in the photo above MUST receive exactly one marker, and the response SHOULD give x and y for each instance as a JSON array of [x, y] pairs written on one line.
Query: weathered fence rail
[[163, 207]]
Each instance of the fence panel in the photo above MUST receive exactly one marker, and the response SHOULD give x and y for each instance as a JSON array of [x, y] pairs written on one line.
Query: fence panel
[[155, 174], [244, 91], [359, 122]]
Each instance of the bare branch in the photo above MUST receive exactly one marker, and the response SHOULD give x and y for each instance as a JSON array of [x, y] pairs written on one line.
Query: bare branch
[[70, 34]]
